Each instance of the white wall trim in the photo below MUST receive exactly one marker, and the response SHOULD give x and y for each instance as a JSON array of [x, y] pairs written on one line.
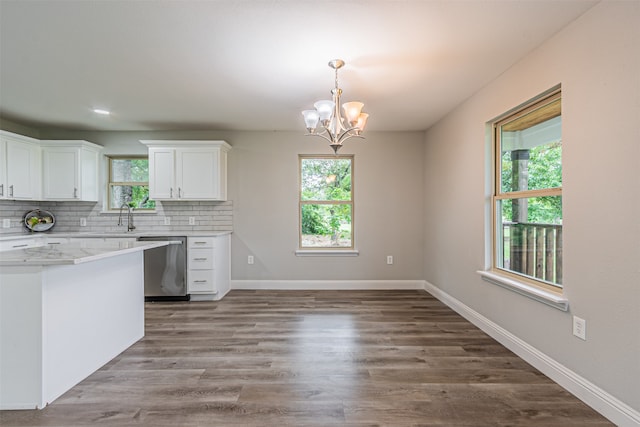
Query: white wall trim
[[610, 407], [327, 252], [314, 285]]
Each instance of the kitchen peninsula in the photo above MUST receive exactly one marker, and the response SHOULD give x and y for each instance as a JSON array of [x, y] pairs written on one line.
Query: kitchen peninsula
[[66, 310]]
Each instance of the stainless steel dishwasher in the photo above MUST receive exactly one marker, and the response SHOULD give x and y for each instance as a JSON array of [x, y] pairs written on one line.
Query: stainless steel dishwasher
[[165, 270]]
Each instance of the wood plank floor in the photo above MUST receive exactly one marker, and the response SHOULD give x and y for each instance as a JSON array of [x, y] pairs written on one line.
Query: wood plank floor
[[301, 358]]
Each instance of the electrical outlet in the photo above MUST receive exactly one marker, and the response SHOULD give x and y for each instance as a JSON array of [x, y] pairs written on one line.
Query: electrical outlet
[[192, 220], [389, 259], [250, 259], [580, 328], [83, 222], [167, 220], [6, 223]]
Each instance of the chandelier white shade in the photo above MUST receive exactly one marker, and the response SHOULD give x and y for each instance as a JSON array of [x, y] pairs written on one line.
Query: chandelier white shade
[[326, 120]]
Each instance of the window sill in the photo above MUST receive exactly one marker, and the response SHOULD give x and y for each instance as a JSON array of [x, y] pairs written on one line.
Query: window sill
[[546, 297], [327, 252]]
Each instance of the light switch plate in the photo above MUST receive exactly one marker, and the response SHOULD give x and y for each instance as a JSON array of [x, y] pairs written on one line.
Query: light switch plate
[[6, 223], [167, 220]]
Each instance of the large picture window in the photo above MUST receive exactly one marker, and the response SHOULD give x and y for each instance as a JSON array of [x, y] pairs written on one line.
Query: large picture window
[[527, 201], [129, 183], [326, 202]]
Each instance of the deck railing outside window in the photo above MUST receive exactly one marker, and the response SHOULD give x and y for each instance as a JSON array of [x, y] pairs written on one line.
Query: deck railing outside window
[[534, 250]]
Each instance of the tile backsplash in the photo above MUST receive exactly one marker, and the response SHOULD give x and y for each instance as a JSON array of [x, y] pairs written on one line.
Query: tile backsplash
[[208, 216]]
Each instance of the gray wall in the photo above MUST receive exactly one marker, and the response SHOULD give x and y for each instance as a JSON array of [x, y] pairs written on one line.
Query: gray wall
[[263, 186], [263, 183], [597, 61]]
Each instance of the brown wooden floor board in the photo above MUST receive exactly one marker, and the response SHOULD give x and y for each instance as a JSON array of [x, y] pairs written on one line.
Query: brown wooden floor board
[[312, 358]]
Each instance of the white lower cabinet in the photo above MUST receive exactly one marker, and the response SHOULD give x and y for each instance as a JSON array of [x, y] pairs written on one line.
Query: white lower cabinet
[[208, 267], [24, 243], [201, 281], [50, 241]]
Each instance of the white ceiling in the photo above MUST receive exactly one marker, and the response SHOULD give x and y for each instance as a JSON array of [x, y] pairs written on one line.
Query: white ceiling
[[255, 64]]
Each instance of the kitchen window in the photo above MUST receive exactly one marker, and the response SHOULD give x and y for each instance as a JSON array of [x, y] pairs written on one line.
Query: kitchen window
[[527, 199], [129, 183], [326, 203]]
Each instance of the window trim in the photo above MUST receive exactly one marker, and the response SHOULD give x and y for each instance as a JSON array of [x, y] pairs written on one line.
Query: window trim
[[327, 250], [109, 183], [546, 296], [537, 289]]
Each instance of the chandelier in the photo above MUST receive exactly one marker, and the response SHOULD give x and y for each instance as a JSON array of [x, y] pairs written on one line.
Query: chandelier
[[327, 122]]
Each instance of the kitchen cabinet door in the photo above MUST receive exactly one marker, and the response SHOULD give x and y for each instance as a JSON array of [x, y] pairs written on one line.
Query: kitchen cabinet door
[[61, 173], [162, 179], [19, 167], [197, 173], [187, 170], [70, 170]]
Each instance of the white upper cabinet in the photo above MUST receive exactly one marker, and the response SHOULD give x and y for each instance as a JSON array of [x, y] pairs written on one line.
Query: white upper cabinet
[[187, 170], [20, 167], [162, 179], [70, 170]]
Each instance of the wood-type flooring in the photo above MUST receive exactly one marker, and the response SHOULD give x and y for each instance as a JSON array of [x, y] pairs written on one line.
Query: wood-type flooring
[[313, 358]]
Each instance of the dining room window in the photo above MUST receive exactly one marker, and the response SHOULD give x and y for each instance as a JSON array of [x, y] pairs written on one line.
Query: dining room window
[[326, 202]]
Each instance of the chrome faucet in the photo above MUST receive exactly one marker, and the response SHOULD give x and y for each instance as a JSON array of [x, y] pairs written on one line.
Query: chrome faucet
[[130, 226]]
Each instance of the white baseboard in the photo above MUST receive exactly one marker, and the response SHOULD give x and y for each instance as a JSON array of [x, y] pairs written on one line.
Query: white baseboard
[[615, 410], [315, 285]]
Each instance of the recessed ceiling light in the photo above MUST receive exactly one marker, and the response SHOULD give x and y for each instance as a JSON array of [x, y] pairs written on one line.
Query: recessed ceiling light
[[101, 111]]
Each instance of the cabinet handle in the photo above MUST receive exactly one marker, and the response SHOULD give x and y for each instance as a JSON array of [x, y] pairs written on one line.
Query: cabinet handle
[[179, 193], [171, 192], [75, 193], [200, 259], [53, 243], [11, 190], [20, 246], [199, 243], [199, 281], [1, 189]]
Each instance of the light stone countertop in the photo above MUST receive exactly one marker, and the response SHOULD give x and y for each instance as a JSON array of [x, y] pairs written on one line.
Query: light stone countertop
[[74, 252], [109, 234]]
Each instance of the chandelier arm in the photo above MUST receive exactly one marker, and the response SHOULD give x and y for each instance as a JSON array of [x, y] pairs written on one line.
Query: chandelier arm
[[321, 135], [347, 135]]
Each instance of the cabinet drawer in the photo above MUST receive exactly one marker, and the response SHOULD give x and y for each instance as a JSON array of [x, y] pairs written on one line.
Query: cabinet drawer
[[9, 245], [200, 242], [200, 259], [201, 281], [56, 240]]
